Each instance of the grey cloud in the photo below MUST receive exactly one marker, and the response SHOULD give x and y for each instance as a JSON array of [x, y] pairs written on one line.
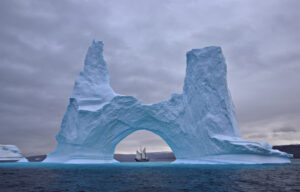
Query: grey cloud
[[43, 44], [256, 136], [285, 130]]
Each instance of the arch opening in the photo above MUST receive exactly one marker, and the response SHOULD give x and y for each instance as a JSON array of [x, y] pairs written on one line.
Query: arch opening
[[157, 149]]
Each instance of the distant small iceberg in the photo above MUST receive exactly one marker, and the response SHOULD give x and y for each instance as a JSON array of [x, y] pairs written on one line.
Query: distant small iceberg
[[11, 153]]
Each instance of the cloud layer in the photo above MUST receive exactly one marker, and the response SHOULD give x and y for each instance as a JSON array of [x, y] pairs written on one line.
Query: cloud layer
[[43, 44]]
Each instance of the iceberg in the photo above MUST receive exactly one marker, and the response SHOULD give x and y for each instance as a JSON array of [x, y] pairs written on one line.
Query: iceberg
[[199, 125], [10, 153]]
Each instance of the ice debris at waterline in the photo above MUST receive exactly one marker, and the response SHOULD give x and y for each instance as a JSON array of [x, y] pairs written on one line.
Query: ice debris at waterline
[[199, 125], [10, 153]]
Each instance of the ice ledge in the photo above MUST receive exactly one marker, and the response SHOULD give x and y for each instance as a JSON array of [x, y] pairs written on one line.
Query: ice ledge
[[235, 159], [91, 161], [246, 159]]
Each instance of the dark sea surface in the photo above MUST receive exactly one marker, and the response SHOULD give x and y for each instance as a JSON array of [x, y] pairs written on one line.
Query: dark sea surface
[[148, 177]]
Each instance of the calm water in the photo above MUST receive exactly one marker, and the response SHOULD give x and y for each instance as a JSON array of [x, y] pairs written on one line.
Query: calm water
[[148, 177]]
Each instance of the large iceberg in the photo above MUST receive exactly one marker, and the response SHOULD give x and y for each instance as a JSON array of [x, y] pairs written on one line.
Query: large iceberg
[[199, 125]]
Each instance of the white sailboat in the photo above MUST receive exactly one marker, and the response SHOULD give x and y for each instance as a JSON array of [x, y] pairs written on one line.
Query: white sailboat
[[141, 155]]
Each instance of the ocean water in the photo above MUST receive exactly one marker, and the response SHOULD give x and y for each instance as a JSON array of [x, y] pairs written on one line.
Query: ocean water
[[149, 177]]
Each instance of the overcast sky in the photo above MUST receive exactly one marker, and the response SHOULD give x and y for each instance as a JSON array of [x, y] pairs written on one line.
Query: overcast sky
[[43, 44]]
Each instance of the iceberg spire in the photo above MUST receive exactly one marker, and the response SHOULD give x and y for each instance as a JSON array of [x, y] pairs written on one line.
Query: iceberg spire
[[206, 92], [95, 65], [93, 81]]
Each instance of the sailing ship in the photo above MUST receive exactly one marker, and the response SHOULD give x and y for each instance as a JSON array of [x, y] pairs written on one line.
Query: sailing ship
[[141, 155]]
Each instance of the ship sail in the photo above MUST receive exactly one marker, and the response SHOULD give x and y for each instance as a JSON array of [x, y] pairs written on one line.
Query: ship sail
[[144, 153], [141, 155], [138, 155]]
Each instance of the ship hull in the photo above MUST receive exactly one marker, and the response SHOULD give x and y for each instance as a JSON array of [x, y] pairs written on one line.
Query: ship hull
[[141, 160]]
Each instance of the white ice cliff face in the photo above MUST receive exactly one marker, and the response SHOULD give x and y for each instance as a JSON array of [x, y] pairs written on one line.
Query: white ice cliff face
[[10, 153], [199, 125]]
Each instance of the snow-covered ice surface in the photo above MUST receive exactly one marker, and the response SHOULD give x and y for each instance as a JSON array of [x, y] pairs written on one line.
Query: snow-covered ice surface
[[23, 160], [199, 125], [10, 153]]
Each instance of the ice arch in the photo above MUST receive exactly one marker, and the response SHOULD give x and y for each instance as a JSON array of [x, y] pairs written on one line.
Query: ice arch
[[142, 138], [199, 125]]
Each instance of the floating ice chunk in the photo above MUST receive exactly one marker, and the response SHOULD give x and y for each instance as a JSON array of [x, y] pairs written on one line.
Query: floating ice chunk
[[10, 153]]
